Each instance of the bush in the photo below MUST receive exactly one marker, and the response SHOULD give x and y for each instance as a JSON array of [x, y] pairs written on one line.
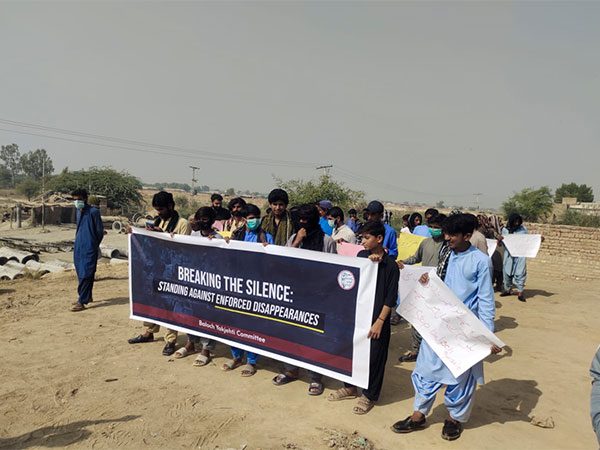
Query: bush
[[577, 218], [300, 191], [29, 188]]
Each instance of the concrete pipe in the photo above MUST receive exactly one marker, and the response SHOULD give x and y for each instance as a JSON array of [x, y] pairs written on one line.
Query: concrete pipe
[[43, 267], [10, 273], [109, 252], [117, 226], [18, 255], [118, 261], [3, 260], [64, 264]]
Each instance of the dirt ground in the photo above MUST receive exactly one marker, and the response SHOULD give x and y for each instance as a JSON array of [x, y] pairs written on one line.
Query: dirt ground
[[71, 380]]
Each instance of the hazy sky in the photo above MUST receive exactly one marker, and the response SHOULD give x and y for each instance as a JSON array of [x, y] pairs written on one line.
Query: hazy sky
[[410, 101]]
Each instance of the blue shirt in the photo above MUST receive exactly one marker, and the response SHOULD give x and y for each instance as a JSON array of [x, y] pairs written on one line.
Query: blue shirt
[[422, 230], [251, 236], [390, 241], [354, 226], [469, 276], [325, 226]]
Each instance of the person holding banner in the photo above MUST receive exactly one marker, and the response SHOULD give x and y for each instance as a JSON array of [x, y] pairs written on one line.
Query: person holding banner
[[468, 275], [278, 222], [310, 236], [427, 254], [236, 208], [203, 220], [514, 269], [168, 221], [341, 232], [250, 233], [386, 293]]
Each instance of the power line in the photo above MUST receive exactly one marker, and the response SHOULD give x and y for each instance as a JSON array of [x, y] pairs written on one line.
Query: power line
[[193, 152]]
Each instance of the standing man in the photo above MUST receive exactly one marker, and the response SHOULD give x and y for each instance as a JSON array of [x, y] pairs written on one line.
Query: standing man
[[278, 222], [341, 232], [216, 201], [374, 212], [323, 207], [87, 241], [168, 221], [353, 221]]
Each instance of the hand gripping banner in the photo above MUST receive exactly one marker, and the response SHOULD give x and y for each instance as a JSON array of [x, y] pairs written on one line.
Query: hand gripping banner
[[306, 308]]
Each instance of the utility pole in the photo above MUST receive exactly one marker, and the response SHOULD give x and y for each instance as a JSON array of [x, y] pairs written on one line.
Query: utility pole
[[43, 194], [477, 195], [194, 168], [325, 170]]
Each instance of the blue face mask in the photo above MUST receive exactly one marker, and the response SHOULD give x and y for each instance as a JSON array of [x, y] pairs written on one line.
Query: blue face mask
[[331, 223], [435, 232], [79, 204], [253, 224]]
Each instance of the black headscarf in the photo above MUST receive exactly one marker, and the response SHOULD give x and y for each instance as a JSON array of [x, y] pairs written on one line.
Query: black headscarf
[[314, 234], [514, 222]]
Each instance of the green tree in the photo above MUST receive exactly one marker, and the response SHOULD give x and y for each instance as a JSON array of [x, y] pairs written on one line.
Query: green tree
[[28, 187], [574, 217], [301, 191], [120, 188], [531, 204], [230, 191], [440, 204], [582, 192], [5, 178], [11, 156], [36, 163]]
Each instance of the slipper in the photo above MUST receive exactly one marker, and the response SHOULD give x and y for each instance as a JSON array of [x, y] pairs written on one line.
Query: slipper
[[363, 406], [315, 388], [341, 394], [182, 353], [231, 364], [248, 370], [202, 360], [282, 379]]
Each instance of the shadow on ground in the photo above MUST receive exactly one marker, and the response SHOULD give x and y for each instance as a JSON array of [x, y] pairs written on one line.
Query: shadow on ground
[[57, 436]]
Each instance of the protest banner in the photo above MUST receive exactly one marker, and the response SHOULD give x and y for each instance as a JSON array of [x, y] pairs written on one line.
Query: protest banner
[[409, 277], [307, 308], [347, 249], [454, 333], [522, 245], [491, 245], [408, 244]]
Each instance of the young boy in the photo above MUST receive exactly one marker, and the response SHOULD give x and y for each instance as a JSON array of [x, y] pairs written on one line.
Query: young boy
[[168, 221], [374, 212], [468, 275], [428, 254], [341, 232], [386, 293], [252, 232], [278, 221], [203, 222]]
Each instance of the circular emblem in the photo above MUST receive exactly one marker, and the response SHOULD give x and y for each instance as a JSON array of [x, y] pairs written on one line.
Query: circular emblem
[[346, 280]]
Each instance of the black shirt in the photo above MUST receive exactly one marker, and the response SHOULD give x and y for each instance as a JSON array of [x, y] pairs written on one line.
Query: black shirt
[[386, 292]]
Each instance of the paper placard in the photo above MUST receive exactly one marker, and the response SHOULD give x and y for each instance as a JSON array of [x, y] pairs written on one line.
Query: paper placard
[[491, 245], [409, 277], [454, 333], [522, 245]]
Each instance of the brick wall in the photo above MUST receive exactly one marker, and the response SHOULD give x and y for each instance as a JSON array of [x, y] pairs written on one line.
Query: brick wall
[[568, 253]]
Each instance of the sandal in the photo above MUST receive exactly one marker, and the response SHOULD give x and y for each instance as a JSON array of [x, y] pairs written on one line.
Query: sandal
[[282, 379], [363, 406], [202, 360], [248, 370], [342, 394], [182, 353], [231, 364], [315, 388], [77, 307]]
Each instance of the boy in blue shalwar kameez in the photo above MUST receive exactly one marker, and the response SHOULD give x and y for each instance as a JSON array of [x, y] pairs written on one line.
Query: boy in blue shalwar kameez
[[469, 276], [87, 242]]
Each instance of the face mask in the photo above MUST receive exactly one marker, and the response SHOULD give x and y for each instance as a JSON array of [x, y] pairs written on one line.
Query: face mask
[[79, 204], [331, 223], [253, 224], [435, 232], [205, 226]]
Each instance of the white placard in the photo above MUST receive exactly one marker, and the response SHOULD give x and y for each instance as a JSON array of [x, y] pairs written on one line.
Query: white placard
[[454, 333], [409, 277], [491, 244], [522, 245]]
